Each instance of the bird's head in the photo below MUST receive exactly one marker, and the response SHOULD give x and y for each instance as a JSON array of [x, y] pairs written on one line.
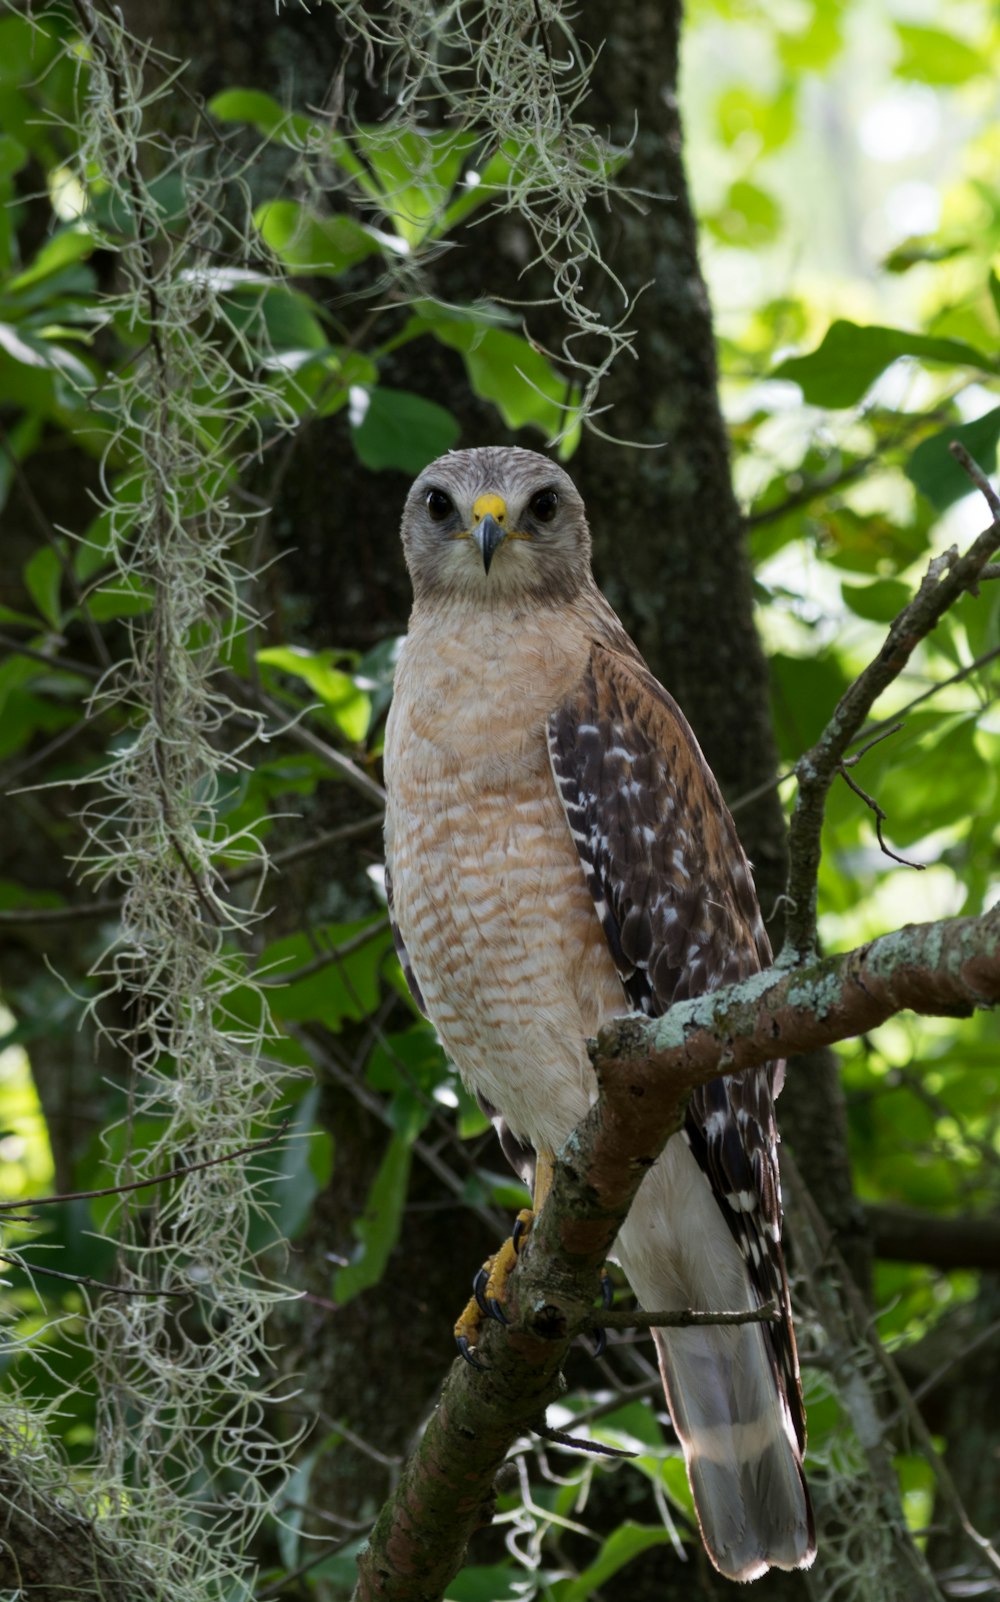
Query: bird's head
[[498, 523]]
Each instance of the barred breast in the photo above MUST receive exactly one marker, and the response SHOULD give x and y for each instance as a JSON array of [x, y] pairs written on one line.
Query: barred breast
[[488, 891]]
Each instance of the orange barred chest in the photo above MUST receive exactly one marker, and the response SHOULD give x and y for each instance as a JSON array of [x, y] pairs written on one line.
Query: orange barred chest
[[490, 897]]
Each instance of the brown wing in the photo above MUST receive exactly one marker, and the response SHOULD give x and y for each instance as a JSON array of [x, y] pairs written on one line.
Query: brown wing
[[674, 893]]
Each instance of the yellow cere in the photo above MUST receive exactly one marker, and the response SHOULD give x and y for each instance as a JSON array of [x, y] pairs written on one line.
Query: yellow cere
[[490, 506]]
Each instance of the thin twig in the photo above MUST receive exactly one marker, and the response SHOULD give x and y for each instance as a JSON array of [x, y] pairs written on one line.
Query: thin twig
[[354, 775], [896, 720], [578, 1444], [30, 916], [683, 1318], [323, 959], [15, 1260], [948, 577], [157, 1179], [880, 816], [65, 664], [27, 916]]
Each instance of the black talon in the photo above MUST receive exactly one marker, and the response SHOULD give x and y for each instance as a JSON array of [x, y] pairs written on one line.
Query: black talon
[[518, 1233], [479, 1291], [495, 1310], [599, 1343], [607, 1289], [462, 1342]]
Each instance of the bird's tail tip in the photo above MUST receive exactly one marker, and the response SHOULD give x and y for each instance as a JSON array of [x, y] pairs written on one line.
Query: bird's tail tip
[[743, 1458]]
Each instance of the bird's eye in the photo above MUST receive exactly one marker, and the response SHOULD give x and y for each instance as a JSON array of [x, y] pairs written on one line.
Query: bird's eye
[[543, 505], [439, 504]]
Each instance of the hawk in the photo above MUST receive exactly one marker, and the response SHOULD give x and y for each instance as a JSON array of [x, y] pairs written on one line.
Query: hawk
[[559, 853]]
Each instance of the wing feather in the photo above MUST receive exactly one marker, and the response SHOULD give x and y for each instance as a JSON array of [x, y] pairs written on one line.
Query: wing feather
[[674, 893]]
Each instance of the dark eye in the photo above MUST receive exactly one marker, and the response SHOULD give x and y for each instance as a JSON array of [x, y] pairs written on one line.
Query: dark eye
[[438, 504], [543, 505]]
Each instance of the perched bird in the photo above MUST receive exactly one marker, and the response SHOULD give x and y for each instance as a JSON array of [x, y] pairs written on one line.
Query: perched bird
[[559, 853]]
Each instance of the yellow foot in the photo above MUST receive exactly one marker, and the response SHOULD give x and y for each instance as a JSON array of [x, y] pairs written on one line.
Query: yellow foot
[[489, 1288]]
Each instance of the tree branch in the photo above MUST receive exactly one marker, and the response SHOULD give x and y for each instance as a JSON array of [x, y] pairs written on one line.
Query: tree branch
[[910, 1235], [948, 577], [646, 1068]]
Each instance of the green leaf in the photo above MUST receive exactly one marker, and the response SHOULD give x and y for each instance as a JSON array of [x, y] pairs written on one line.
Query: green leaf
[[121, 595], [748, 216], [346, 987], [932, 56], [499, 1583], [819, 42], [64, 248], [43, 580], [402, 430], [762, 121], [879, 601], [926, 779], [265, 114], [349, 706], [806, 690], [467, 197], [503, 368], [377, 1229], [31, 352], [415, 173], [935, 472], [279, 318], [621, 1546], [308, 243], [851, 357], [871, 543], [913, 252]]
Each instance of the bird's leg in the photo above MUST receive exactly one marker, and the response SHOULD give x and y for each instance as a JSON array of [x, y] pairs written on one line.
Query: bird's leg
[[490, 1284]]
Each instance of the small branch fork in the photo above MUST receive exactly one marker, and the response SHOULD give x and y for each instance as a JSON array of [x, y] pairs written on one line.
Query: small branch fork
[[948, 577], [646, 1069]]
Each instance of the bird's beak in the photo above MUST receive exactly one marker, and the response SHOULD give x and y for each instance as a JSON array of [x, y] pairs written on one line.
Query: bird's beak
[[488, 534]]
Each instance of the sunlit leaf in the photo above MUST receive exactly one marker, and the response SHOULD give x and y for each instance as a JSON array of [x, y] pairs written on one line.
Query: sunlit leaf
[[851, 357], [349, 706], [265, 114], [314, 244], [933, 56]]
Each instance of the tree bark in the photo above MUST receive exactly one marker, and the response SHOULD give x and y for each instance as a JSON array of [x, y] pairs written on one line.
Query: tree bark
[[49, 1551]]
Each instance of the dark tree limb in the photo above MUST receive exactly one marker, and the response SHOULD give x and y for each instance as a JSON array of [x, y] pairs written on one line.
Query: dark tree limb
[[910, 1235], [646, 1068]]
